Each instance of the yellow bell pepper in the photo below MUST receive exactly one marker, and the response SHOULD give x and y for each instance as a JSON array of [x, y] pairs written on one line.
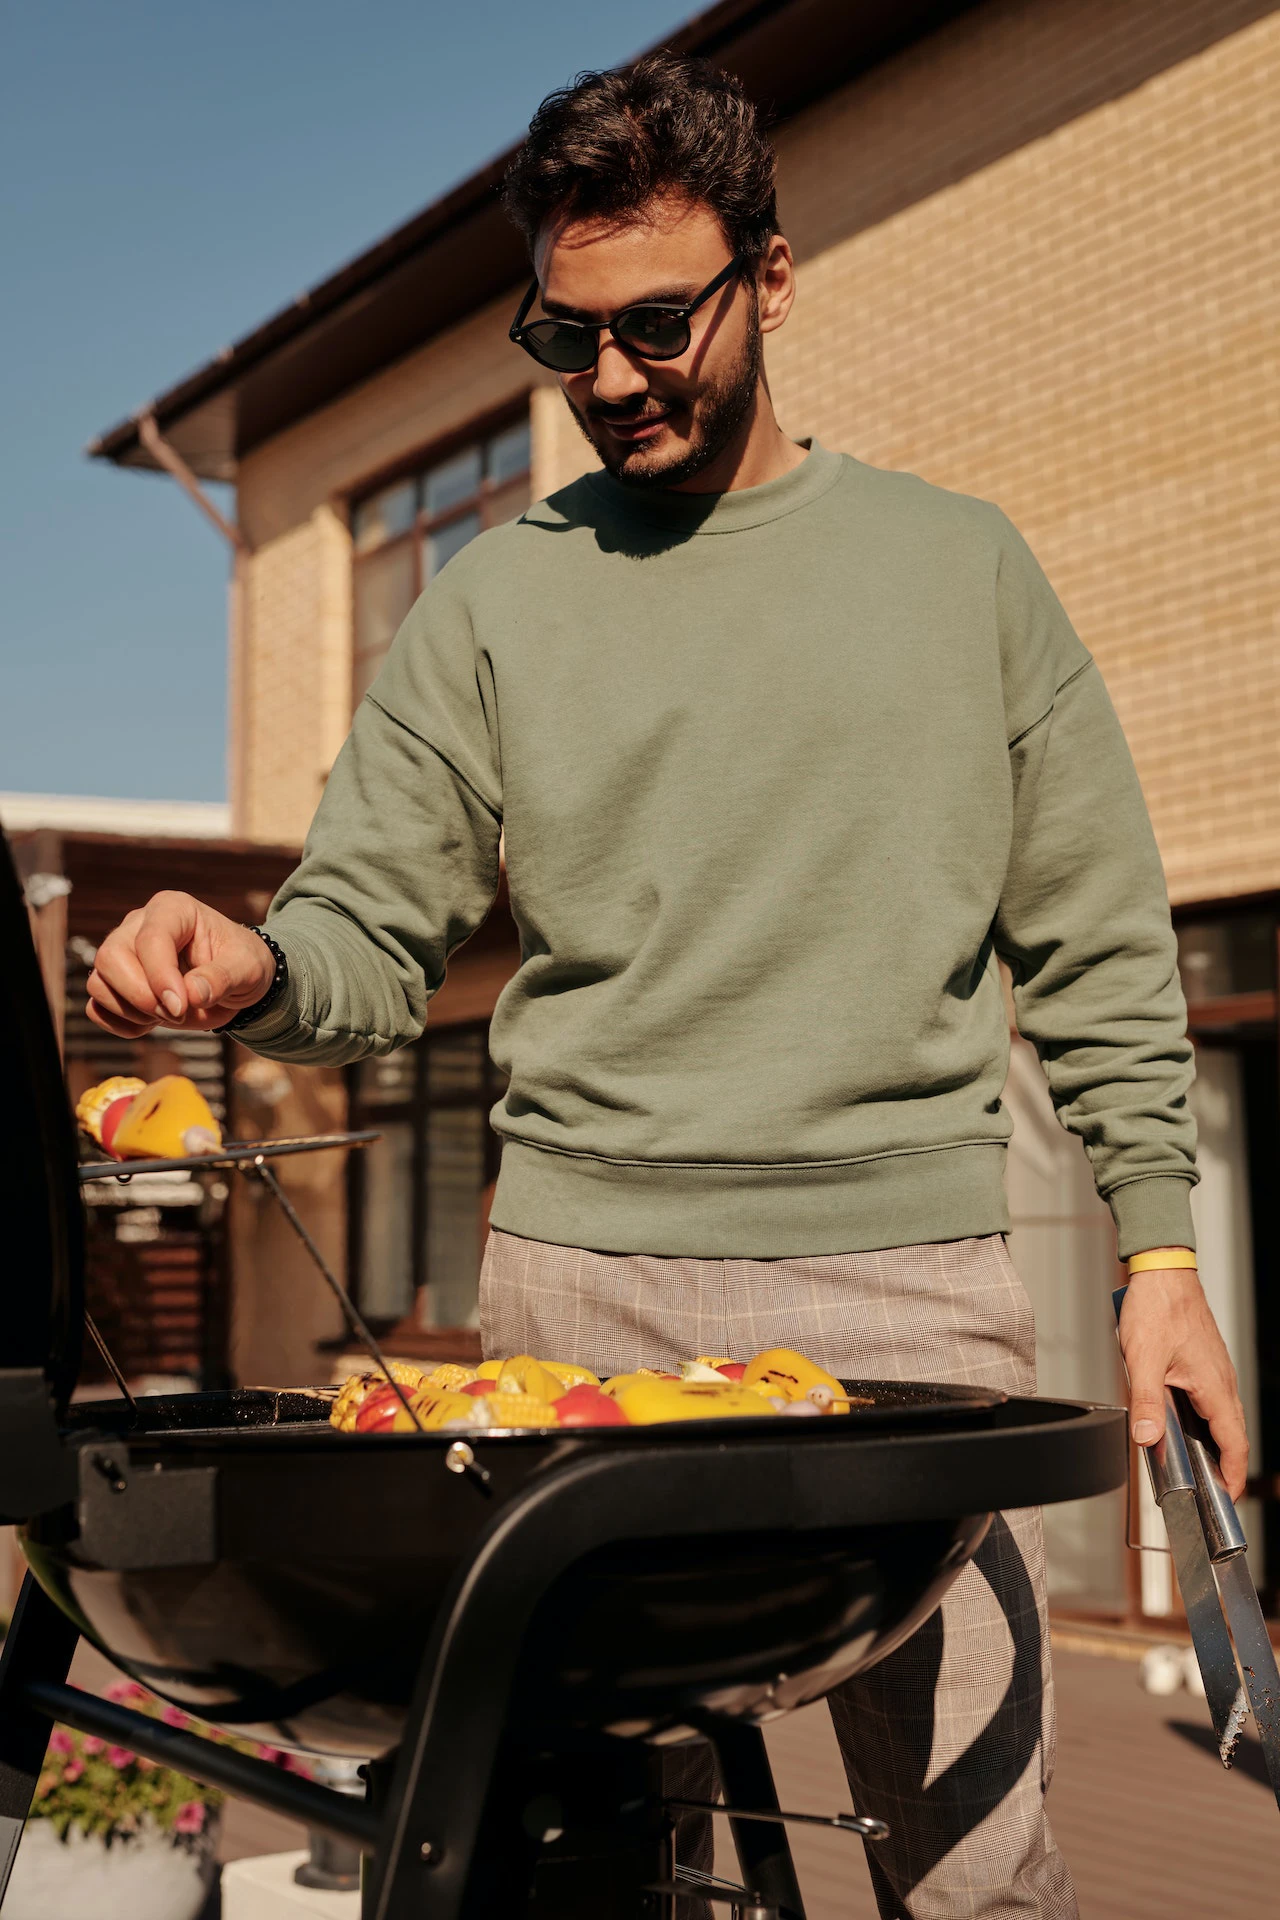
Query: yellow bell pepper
[[618, 1381], [570, 1375], [791, 1377], [646, 1401], [524, 1374], [433, 1408]]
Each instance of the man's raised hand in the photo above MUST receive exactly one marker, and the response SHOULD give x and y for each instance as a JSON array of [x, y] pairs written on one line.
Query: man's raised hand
[[176, 963]]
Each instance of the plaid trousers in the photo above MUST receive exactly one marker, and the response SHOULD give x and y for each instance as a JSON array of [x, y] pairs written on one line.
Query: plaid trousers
[[951, 1738]]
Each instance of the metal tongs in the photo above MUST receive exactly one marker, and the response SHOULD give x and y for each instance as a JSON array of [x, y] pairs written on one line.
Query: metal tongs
[[1209, 1551]]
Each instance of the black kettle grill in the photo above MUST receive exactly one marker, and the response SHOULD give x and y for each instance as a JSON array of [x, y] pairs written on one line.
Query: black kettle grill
[[509, 1629]]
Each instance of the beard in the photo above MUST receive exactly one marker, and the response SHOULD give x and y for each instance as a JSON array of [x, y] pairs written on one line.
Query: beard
[[718, 412]]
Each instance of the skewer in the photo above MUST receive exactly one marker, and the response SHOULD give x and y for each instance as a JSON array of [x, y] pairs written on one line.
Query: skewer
[[112, 1368], [234, 1153], [354, 1318]]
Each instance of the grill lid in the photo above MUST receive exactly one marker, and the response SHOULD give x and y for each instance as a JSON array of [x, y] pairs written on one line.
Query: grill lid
[[42, 1303]]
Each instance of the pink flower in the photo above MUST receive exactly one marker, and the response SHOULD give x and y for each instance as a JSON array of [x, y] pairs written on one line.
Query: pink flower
[[175, 1717], [189, 1818], [61, 1742], [294, 1763], [92, 1745], [127, 1690], [72, 1770], [121, 1756], [272, 1755]]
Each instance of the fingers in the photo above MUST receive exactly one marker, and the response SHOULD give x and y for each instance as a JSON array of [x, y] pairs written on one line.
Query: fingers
[[118, 984], [1168, 1334], [1218, 1402], [209, 985], [1146, 1394], [111, 1023], [165, 931]]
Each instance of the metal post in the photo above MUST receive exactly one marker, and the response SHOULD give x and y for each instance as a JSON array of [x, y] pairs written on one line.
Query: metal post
[[38, 1646], [764, 1853]]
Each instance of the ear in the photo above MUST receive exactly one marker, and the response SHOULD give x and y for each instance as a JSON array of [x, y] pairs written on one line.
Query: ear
[[775, 284]]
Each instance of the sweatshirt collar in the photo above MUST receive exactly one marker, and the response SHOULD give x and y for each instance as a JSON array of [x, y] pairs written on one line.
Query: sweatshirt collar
[[724, 512]]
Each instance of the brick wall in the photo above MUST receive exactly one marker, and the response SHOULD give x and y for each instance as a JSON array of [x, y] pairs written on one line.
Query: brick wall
[[1037, 264], [1085, 330]]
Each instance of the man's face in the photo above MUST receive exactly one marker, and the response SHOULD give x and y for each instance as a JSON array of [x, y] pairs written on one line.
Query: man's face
[[655, 422]]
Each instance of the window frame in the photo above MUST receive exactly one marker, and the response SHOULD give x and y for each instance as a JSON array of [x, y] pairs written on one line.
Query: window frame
[[478, 432], [368, 1111]]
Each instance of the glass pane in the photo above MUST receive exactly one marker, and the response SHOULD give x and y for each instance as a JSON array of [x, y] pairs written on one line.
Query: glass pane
[[389, 1082], [453, 481], [455, 1064], [384, 588], [440, 546], [508, 453], [507, 503], [386, 1223], [1236, 954], [455, 1181], [384, 515]]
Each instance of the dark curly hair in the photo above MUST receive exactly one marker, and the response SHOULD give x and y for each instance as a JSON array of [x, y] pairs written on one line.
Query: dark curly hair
[[613, 140]]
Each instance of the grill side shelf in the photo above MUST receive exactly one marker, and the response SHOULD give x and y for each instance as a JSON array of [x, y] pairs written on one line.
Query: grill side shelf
[[132, 1516]]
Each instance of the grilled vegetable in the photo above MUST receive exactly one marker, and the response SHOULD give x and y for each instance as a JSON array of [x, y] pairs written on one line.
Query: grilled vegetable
[[646, 1401], [503, 1410], [169, 1118], [790, 1376], [357, 1386], [570, 1375], [585, 1406], [613, 1387], [450, 1376], [524, 1374], [92, 1106], [436, 1409]]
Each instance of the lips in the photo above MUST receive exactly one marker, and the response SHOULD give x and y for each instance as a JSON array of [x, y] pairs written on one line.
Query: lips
[[644, 427]]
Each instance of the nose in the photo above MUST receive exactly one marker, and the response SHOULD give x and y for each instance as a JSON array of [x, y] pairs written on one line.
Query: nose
[[618, 377]]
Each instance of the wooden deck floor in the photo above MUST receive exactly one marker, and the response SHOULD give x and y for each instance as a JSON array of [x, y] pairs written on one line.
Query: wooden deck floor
[[1142, 1809]]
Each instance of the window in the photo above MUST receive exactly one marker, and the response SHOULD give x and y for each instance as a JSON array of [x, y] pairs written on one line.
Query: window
[[418, 1194], [405, 532]]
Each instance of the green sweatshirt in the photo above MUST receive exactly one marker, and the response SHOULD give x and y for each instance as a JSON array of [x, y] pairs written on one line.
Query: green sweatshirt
[[781, 773]]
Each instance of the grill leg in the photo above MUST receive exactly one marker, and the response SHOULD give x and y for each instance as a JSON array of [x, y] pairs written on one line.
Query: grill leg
[[764, 1854], [39, 1646]]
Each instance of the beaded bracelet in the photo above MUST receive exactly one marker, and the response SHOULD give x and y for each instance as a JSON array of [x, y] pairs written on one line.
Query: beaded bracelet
[[279, 981]]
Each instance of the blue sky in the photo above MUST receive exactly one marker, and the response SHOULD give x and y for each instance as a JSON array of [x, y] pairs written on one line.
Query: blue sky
[[173, 173]]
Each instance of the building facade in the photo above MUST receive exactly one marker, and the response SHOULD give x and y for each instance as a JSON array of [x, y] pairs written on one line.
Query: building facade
[[1036, 263]]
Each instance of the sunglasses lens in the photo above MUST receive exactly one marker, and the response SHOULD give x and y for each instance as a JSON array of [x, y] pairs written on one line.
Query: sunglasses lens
[[564, 349], [657, 333]]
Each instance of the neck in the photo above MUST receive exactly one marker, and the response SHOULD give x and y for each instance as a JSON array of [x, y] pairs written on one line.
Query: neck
[[759, 452]]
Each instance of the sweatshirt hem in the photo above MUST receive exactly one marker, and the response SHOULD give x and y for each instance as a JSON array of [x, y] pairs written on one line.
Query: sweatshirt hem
[[743, 1212]]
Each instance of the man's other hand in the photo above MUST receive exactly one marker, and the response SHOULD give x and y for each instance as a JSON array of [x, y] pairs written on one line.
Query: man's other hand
[[1169, 1336], [176, 963]]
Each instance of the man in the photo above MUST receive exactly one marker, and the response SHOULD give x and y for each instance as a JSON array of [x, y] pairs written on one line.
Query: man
[[788, 753]]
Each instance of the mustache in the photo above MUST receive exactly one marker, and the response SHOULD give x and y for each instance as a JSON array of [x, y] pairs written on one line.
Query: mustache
[[643, 407]]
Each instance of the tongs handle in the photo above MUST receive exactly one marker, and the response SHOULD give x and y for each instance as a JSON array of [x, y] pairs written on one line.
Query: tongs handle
[[1186, 1459]]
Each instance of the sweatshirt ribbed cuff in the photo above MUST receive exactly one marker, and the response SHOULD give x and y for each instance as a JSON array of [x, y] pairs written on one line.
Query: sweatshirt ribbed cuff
[[1152, 1213], [283, 1016]]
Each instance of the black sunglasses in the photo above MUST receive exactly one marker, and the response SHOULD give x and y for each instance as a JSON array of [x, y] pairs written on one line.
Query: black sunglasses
[[652, 329]]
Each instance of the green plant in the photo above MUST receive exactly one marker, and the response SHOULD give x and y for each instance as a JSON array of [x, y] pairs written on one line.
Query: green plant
[[90, 1785]]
